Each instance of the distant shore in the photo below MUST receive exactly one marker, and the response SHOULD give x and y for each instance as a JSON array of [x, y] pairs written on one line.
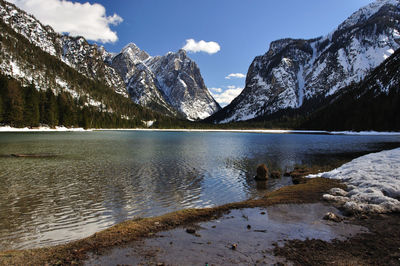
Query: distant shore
[[265, 131]]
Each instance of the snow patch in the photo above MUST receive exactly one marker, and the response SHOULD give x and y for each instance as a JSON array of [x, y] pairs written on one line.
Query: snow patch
[[149, 123], [41, 129], [373, 183], [301, 82]]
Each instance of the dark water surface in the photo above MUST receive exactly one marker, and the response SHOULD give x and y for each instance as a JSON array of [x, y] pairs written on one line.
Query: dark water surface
[[97, 179]]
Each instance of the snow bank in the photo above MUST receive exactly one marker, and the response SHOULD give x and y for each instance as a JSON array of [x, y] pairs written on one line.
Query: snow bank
[[40, 129], [150, 123], [373, 183], [364, 133]]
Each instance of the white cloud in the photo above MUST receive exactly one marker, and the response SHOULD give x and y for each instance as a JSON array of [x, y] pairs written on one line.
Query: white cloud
[[87, 20], [201, 46], [218, 90], [235, 75], [225, 97]]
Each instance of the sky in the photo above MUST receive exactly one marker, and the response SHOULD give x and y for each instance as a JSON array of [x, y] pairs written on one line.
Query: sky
[[221, 36]]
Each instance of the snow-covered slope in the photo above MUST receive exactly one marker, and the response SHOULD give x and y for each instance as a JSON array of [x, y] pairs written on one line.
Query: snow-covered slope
[[131, 73], [76, 52], [180, 81], [373, 183], [293, 71], [372, 104], [125, 62], [171, 83]]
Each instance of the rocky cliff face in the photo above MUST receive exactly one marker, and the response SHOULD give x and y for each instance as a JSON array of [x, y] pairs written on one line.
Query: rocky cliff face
[[171, 83], [372, 104], [294, 71], [75, 52], [182, 85]]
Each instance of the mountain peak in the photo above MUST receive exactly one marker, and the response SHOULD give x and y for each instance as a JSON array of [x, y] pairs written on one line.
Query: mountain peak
[[133, 52], [130, 46], [366, 12], [182, 52]]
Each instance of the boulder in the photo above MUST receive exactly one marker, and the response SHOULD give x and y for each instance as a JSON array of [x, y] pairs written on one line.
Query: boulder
[[330, 216], [262, 172], [190, 231], [275, 174], [286, 174]]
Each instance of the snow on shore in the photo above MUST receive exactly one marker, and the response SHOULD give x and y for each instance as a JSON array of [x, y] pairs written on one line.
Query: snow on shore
[[373, 183], [364, 133], [267, 131], [40, 129]]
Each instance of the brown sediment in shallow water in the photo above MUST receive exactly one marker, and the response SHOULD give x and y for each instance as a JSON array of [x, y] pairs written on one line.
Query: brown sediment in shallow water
[[310, 191], [381, 246]]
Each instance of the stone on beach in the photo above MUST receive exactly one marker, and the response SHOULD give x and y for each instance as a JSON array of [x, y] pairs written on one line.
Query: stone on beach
[[330, 216]]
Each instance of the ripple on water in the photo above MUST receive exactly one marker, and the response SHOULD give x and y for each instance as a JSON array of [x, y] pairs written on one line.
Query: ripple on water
[[99, 179]]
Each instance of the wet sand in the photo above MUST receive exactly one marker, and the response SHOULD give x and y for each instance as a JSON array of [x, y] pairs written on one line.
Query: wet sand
[[240, 237]]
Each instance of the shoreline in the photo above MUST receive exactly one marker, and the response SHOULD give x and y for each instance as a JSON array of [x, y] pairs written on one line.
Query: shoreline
[[307, 190], [7, 129], [311, 191]]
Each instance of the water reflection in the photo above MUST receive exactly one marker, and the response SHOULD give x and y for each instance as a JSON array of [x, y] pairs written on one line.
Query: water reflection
[[101, 178]]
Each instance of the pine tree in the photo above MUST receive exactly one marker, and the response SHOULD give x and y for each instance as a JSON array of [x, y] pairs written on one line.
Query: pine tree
[[1, 108], [3, 89], [31, 110], [42, 107], [51, 112], [14, 104], [66, 113]]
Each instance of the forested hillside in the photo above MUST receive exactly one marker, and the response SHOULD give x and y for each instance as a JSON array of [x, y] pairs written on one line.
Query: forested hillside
[[83, 102], [372, 104]]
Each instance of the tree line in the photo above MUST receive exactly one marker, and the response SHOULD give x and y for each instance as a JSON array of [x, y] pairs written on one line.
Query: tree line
[[27, 106]]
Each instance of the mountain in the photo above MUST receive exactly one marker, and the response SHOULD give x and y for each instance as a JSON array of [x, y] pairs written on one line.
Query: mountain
[[76, 52], [295, 71], [153, 82], [372, 104], [68, 74], [171, 83]]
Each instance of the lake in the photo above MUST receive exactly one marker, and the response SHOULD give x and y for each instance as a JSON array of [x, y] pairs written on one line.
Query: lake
[[89, 181]]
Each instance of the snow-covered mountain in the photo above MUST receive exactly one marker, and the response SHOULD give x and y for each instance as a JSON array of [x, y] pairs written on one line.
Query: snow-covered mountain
[[75, 52], [171, 83], [295, 71], [372, 104]]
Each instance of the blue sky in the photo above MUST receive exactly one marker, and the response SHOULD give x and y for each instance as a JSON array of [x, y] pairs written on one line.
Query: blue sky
[[243, 29]]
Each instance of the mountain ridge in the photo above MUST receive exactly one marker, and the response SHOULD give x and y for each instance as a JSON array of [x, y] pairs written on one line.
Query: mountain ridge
[[294, 70], [171, 82], [114, 70]]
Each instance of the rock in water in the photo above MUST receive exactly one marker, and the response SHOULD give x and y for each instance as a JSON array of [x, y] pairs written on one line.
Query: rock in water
[[262, 172], [330, 216], [275, 174], [190, 231]]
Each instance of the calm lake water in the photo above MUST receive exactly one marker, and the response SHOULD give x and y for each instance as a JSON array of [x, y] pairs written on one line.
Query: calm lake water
[[97, 179]]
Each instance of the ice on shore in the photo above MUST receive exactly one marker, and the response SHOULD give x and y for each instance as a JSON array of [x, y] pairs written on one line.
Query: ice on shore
[[373, 183]]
